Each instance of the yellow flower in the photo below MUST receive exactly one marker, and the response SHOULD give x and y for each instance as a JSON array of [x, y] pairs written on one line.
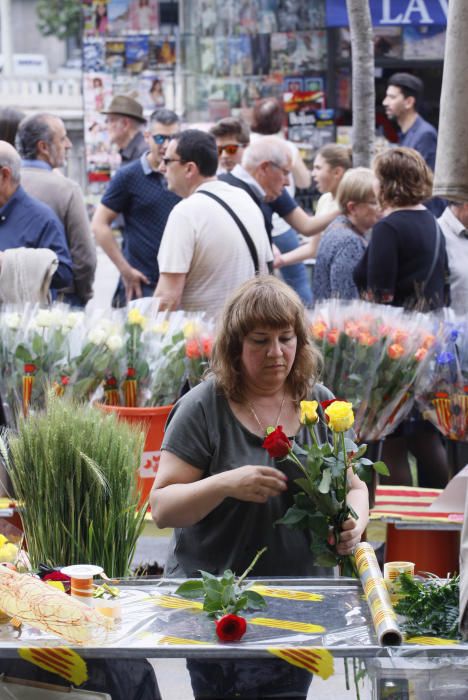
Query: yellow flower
[[191, 329], [309, 414], [8, 552], [340, 416], [161, 328], [136, 318]]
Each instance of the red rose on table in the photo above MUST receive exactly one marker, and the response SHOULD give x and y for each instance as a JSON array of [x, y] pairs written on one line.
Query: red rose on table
[[230, 628], [277, 443]]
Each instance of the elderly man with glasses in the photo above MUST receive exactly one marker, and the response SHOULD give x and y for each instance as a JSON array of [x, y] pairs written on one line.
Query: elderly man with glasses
[[139, 192]]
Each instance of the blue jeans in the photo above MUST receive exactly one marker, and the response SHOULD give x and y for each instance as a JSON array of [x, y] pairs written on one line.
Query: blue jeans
[[295, 275]]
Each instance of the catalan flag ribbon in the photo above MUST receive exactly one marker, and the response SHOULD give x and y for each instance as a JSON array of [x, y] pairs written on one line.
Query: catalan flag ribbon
[[111, 391], [29, 372], [130, 388], [62, 661], [318, 661]]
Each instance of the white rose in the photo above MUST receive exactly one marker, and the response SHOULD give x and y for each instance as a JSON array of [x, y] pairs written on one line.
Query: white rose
[[12, 321], [72, 319], [97, 336], [114, 342], [44, 319]]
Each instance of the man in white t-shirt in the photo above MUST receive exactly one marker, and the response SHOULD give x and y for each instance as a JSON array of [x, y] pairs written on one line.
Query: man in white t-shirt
[[454, 224], [203, 255]]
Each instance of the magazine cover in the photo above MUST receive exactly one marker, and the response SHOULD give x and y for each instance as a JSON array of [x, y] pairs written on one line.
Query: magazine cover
[[222, 63], [115, 55], [300, 15], [240, 57], [97, 89], [207, 55], [94, 55], [126, 16], [136, 53], [260, 48]]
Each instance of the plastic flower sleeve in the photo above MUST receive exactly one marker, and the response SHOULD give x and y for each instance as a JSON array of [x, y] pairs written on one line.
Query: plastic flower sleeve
[[199, 335], [442, 393], [165, 351]]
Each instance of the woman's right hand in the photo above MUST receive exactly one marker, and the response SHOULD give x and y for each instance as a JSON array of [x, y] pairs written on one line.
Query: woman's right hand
[[254, 483]]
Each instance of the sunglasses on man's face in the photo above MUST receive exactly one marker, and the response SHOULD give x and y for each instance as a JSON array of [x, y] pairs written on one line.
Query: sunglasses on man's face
[[230, 148], [159, 139]]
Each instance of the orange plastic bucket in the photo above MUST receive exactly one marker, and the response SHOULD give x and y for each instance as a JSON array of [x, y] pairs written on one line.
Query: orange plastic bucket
[[152, 419]]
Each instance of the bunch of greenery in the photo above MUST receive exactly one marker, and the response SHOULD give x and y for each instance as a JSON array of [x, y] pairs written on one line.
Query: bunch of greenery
[[431, 607], [74, 470]]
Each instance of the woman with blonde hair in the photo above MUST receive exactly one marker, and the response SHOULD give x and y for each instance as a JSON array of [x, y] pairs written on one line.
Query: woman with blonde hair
[[343, 243], [222, 491]]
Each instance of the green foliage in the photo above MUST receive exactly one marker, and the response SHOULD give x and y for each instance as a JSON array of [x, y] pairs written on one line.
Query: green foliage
[[74, 469], [430, 607], [225, 594], [60, 18]]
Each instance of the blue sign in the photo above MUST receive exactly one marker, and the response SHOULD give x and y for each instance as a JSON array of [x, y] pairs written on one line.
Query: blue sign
[[392, 12]]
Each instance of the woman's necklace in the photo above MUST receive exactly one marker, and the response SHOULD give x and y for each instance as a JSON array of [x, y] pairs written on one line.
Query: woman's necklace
[[252, 410]]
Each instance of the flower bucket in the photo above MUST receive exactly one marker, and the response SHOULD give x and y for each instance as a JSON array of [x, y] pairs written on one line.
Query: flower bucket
[[152, 419]]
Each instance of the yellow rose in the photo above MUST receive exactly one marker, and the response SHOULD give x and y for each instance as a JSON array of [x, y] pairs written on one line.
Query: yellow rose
[[136, 318], [8, 552], [309, 414], [340, 416]]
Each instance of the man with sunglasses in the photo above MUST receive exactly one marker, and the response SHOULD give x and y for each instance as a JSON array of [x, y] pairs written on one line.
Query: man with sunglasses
[[139, 192], [232, 138]]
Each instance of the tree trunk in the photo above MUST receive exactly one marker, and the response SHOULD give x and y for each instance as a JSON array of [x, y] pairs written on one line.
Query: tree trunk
[[362, 54], [451, 170]]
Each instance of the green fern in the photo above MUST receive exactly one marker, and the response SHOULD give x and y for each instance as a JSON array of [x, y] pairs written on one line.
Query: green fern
[[430, 607]]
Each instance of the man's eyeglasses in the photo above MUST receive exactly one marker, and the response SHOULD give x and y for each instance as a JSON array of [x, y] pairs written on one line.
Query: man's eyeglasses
[[166, 161], [159, 139], [230, 148], [285, 172]]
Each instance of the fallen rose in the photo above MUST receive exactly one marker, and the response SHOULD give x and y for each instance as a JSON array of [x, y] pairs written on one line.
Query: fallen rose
[[277, 443], [230, 628]]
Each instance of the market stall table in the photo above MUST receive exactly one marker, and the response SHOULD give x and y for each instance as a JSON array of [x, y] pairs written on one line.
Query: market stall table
[[429, 539], [311, 623]]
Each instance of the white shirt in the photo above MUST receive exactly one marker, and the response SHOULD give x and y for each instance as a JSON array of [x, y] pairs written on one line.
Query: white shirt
[[202, 240], [457, 251]]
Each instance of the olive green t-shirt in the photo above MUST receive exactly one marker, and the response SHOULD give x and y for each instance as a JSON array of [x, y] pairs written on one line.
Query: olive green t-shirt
[[203, 431]]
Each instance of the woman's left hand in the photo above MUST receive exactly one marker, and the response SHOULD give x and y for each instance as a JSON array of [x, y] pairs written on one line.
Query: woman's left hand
[[350, 536]]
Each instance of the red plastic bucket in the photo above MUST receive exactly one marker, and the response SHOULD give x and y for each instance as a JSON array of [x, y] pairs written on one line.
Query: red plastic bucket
[[152, 419]]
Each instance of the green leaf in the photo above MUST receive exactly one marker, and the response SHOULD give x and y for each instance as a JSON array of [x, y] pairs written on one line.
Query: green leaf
[[190, 589], [23, 354], [351, 446], [254, 600], [326, 559], [293, 516], [326, 481], [381, 468]]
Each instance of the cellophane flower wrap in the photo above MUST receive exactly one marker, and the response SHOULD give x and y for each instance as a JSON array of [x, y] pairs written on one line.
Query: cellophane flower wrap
[[373, 355], [442, 392], [199, 334], [321, 506]]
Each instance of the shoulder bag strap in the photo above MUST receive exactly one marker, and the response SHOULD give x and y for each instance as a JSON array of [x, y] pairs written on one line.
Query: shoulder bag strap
[[243, 230]]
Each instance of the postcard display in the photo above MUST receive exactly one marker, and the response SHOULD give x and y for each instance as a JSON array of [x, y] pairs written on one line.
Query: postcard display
[[125, 51], [236, 52]]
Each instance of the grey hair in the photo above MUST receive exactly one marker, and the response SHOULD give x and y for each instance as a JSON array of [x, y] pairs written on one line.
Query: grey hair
[[31, 130], [9, 158], [164, 116], [269, 148]]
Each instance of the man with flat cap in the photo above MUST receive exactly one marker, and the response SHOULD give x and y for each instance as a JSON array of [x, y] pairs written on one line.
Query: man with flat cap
[[404, 93], [402, 100], [124, 121]]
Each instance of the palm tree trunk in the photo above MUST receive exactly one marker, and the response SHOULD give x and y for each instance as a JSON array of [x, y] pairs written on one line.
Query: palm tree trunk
[[362, 54], [451, 171]]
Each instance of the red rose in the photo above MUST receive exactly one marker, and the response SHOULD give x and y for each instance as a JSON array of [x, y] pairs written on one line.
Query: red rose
[[29, 368], [230, 628], [277, 443], [58, 576], [131, 372]]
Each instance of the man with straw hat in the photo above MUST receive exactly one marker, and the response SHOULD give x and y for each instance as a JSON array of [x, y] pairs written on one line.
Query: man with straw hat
[[124, 121]]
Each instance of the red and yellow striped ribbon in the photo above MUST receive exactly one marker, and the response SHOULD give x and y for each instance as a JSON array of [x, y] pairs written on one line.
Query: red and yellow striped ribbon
[[62, 661], [317, 661]]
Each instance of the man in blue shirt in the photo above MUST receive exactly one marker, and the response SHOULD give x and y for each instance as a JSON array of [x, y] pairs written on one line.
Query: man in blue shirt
[[27, 222], [404, 93], [139, 192]]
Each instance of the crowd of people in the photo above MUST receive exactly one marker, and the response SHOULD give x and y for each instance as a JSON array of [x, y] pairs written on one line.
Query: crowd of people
[[204, 218]]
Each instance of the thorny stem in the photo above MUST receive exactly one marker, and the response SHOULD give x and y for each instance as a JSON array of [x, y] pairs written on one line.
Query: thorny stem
[[251, 565]]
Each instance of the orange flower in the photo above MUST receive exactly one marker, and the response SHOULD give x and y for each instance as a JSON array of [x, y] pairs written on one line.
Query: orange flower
[[428, 341], [207, 346], [192, 349], [399, 336], [384, 329], [366, 338], [318, 330], [395, 351], [333, 335], [420, 354]]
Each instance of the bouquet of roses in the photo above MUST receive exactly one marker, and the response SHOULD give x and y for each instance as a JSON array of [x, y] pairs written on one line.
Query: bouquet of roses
[[373, 354], [442, 392], [198, 346], [321, 505]]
